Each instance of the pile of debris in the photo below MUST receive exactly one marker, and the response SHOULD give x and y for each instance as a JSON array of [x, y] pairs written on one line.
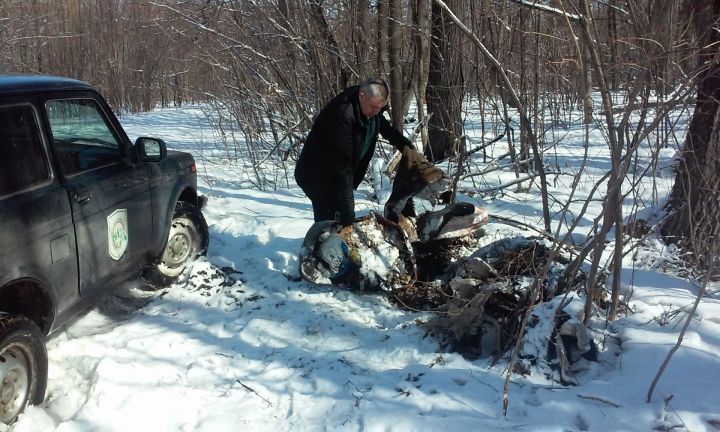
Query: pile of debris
[[375, 256], [431, 262], [488, 293]]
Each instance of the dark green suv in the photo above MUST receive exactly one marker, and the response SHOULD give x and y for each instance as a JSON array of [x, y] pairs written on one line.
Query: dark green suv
[[82, 210]]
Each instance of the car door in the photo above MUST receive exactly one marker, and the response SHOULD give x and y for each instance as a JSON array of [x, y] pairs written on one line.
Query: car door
[[109, 193], [37, 238]]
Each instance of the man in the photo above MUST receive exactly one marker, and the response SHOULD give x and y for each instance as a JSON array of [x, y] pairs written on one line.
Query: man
[[339, 147]]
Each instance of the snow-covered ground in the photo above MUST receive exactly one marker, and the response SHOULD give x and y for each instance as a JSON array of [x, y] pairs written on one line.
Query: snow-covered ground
[[239, 343]]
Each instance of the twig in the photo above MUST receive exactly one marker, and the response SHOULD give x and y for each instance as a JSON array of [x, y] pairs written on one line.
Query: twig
[[542, 7], [599, 399], [460, 160], [505, 185], [423, 124], [494, 166], [486, 145], [250, 389], [691, 314]]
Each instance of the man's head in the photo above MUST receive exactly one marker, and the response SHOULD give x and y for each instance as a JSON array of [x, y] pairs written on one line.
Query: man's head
[[373, 97]]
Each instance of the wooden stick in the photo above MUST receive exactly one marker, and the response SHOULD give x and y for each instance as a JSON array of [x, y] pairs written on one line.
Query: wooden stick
[[250, 389], [599, 399]]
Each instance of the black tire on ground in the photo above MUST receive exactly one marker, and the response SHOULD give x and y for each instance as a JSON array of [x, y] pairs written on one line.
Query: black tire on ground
[[188, 238], [23, 365]]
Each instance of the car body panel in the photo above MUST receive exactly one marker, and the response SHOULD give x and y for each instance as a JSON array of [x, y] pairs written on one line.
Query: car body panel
[[75, 235]]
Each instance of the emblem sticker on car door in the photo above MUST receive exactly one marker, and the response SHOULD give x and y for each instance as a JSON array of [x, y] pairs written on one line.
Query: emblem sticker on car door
[[117, 227]]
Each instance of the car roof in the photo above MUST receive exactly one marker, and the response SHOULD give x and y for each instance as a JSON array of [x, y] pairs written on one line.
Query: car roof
[[17, 83]]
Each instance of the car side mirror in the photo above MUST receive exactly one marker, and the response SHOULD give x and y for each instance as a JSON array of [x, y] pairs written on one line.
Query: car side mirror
[[150, 149]]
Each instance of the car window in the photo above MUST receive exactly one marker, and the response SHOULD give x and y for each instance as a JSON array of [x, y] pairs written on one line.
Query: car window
[[23, 162], [81, 136]]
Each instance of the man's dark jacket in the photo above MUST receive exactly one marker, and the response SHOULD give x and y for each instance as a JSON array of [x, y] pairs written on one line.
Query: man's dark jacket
[[331, 161]]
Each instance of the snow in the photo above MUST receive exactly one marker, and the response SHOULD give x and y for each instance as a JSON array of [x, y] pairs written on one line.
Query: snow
[[240, 343]]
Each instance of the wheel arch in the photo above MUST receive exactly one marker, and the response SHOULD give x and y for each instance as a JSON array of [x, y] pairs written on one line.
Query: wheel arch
[[30, 298], [189, 195], [188, 243]]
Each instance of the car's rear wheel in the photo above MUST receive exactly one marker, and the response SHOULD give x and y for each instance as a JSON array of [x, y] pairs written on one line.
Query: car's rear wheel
[[188, 238], [23, 365]]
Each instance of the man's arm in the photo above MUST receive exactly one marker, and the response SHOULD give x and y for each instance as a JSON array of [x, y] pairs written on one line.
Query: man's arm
[[340, 137], [396, 138]]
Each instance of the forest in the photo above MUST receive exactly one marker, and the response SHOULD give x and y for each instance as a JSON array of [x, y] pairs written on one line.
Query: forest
[[588, 129], [268, 66]]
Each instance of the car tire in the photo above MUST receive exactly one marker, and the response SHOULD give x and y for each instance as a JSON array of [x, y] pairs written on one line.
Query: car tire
[[187, 239], [23, 365]]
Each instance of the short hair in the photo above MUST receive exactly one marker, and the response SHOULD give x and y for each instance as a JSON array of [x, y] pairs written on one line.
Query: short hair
[[375, 87]]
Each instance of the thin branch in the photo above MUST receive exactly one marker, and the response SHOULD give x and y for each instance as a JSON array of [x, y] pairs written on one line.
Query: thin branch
[[681, 336], [535, 5], [599, 399], [486, 145], [520, 107], [514, 182], [252, 390]]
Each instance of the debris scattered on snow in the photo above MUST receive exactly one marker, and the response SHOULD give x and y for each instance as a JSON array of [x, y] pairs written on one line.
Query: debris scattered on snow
[[478, 296]]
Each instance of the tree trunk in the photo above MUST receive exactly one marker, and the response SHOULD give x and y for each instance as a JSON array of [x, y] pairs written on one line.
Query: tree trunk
[[422, 57], [444, 92], [612, 42], [382, 37], [694, 202], [331, 74], [360, 11], [396, 75]]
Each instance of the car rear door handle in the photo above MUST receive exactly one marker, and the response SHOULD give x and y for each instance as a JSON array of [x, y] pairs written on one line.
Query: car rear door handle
[[82, 196]]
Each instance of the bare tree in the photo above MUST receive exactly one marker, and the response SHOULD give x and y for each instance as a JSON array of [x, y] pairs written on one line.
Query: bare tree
[[395, 35], [422, 59], [694, 202], [445, 85], [269, 66]]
